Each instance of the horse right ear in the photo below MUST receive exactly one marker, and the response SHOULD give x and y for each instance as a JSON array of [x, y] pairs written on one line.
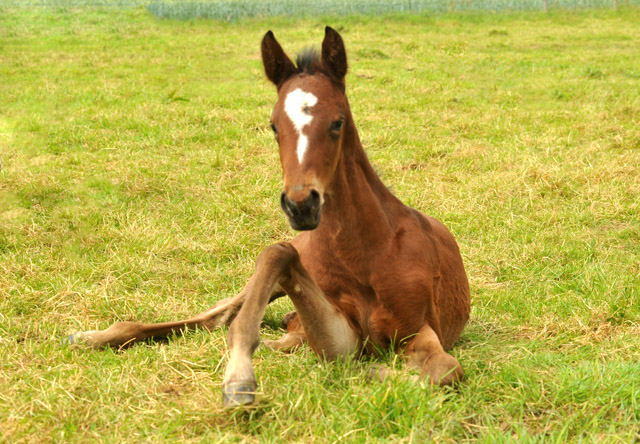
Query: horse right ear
[[334, 56], [277, 65]]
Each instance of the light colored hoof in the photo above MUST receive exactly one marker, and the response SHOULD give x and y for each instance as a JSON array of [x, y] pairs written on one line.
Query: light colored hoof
[[239, 393], [81, 338], [378, 372]]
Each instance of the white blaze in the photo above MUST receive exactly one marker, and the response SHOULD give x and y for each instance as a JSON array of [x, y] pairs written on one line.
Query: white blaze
[[298, 106]]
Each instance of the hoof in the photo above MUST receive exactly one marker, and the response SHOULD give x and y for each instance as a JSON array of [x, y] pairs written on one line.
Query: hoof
[[80, 338], [69, 340], [240, 393], [288, 318], [379, 373]]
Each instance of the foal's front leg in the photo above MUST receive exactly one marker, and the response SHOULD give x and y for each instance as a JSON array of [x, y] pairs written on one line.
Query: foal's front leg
[[425, 353], [327, 330]]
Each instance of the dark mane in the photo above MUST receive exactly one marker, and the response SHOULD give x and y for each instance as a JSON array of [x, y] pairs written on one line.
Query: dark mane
[[308, 61]]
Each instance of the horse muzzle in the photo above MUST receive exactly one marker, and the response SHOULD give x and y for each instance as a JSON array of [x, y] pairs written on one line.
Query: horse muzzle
[[302, 214]]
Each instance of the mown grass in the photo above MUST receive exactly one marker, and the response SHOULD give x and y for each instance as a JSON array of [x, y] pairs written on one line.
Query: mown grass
[[140, 181]]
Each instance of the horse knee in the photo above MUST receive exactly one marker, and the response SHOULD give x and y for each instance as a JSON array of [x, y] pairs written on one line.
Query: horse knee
[[279, 256]]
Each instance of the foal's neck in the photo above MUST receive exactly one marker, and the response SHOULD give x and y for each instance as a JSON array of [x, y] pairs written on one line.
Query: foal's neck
[[359, 211]]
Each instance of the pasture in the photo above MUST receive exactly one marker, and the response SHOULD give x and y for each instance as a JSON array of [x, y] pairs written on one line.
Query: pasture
[[140, 180]]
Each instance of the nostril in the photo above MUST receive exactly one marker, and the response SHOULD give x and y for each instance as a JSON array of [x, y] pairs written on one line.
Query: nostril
[[315, 196], [283, 201]]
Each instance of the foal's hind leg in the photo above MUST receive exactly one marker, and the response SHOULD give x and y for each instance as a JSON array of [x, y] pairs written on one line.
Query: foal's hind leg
[[125, 333], [327, 331], [292, 339], [425, 353]]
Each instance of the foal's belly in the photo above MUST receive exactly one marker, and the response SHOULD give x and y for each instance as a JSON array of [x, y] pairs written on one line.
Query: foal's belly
[[376, 325]]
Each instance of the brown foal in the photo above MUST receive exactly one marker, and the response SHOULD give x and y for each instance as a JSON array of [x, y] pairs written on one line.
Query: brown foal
[[365, 273]]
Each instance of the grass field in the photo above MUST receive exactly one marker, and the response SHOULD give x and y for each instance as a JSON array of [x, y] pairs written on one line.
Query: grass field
[[140, 180]]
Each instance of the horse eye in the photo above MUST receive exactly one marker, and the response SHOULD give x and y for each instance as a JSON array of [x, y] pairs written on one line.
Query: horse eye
[[336, 126], [273, 128]]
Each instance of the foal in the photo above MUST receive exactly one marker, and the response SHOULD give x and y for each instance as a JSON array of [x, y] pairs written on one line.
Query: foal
[[366, 272]]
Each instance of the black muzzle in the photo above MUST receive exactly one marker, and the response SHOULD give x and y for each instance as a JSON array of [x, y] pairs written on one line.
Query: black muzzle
[[303, 215]]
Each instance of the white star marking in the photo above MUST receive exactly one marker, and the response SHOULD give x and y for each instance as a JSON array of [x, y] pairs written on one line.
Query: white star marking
[[298, 106]]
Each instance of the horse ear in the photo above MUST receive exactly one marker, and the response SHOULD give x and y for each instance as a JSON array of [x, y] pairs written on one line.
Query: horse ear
[[277, 65], [334, 56]]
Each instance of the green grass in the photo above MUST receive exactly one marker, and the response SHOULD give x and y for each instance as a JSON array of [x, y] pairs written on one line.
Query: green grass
[[232, 10], [140, 181]]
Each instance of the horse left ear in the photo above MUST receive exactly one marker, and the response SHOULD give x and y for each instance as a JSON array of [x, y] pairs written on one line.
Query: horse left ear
[[334, 56]]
